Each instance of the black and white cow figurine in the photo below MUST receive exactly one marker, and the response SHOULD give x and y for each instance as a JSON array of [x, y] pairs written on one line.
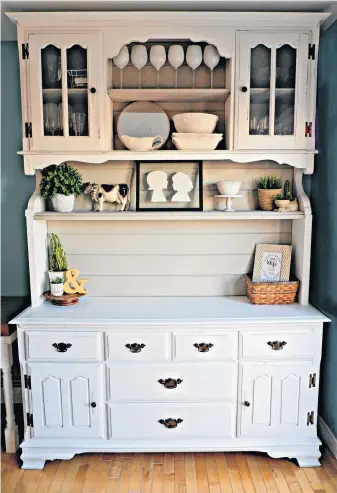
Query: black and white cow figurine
[[107, 193]]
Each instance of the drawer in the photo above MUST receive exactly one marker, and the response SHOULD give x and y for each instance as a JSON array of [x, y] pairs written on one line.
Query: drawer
[[277, 344], [63, 345], [205, 347], [138, 346], [139, 421], [182, 382]]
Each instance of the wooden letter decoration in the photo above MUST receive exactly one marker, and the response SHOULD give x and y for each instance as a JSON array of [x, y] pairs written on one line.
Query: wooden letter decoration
[[72, 284]]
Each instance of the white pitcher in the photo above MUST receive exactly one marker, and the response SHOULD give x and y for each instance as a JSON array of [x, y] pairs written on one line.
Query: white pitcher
[[142, 143]]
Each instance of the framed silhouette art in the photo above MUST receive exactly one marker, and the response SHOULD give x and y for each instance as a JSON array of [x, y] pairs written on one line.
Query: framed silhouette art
[[169, 185]]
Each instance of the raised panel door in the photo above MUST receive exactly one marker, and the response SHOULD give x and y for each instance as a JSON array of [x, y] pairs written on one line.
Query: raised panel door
[[66, 400], [275, 400]]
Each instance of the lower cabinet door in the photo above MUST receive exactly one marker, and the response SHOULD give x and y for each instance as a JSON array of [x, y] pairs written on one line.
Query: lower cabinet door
[[170, 421], [278, 400], [67, 400]]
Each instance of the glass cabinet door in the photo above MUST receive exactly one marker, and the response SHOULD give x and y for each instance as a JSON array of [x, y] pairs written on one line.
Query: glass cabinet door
[[272, 101], [64, 91]]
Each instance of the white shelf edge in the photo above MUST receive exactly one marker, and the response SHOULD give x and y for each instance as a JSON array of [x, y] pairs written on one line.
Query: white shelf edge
[[166, 216], [168, 94]]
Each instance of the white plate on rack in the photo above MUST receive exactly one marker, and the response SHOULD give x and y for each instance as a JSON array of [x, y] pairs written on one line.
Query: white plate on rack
[[143, 119]]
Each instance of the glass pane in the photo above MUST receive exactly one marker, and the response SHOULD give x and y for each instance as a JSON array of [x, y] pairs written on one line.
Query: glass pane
[[285, 90], [77, 75], [260, 62], [51, 91]]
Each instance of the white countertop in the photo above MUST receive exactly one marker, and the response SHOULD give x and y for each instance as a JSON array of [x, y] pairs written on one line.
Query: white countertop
[[233, 310]]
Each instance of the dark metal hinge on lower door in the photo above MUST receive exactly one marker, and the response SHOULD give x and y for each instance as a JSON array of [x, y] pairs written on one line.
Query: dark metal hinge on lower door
[[28, 382], [308, 129], [312, 380], [311, 418], [28, 130], [30, 421], [311, 51], [25, 51]]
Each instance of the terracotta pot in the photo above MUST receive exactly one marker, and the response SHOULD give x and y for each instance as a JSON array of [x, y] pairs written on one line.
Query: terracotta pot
[[267, 197]]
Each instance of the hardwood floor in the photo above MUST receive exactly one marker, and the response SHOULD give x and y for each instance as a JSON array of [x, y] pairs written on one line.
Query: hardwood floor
[[171, 473]]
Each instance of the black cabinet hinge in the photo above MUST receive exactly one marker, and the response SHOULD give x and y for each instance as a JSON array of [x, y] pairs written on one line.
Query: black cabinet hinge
[[312, 380], [30, 421], [311, 51], [28, 382], [28, 130], [311, 418], [25, 51], [308, 129]]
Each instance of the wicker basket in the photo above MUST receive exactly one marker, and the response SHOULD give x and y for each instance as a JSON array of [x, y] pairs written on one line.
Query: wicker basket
[[267, 197], [271, 293]]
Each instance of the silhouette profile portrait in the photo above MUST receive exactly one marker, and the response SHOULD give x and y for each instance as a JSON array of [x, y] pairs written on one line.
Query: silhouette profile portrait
[[157, 182], [182, 184]]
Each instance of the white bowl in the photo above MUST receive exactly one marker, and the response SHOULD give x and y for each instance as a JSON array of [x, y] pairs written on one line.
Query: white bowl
[[229, 187], [196, 142], [199, 123]]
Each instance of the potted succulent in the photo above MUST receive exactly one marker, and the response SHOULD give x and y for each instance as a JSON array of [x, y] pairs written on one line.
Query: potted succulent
[[268, 188], [56, 286], [286, 200], [61, 184], [57, 265]]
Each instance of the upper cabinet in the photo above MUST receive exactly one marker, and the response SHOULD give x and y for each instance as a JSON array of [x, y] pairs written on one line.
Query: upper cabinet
[[272, 91], [64, 77]]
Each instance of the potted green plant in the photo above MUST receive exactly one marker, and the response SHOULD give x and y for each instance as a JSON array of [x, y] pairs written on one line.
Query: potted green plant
[[286, 200], [57, 263], [61, 184], [268, 188], [56, 286]]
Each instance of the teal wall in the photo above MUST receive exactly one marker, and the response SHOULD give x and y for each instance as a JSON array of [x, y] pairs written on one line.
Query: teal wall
[[324, 204], [16, 188]]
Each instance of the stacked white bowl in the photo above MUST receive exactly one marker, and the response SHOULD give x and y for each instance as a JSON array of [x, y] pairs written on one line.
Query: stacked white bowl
[[195, 132]]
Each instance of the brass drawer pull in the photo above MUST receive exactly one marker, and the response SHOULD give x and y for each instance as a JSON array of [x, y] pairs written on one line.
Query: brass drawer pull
[[203, 347], [135, 347], [170, 383], [61, 347], [276, 345], [170, 422]]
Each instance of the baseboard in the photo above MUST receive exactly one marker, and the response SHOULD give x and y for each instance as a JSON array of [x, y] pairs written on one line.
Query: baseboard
[[327, 436]]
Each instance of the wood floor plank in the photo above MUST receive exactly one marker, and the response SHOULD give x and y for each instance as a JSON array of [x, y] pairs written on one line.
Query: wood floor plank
[[256, 473], [279, 477], [224, 479], [190, 474], [168, 480], [147, 473], [201, 473], [313, 478], [212, 474], [124, 480], [157, 481], [303, 480], [60, 474], [179, 475], [116, 466], [80, 478], [112, 485], [13, 480], [93, 471], [234, 473], [168, 463], [136, 474], [246, 477]]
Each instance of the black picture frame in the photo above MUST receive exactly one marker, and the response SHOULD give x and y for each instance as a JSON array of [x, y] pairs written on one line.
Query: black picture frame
[[139, 208]]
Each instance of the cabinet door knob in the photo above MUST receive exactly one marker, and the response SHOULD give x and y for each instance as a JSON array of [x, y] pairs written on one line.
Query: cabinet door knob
[[246, 403], [170, 422], [203, 347], [276, 345], [93, 90], [93, 404], [135, 347], [244, 89], [61, 347], [170, 383]]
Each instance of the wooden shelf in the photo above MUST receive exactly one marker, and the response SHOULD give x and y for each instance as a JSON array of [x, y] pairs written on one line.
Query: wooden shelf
[[166, 216], [127, 95], [78, 90]]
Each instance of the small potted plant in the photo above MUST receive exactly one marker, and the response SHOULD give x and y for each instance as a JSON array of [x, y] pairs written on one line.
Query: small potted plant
[[56, 286], [281, 202], [61, 184], [268, 188], [57, 265], [286, 200]]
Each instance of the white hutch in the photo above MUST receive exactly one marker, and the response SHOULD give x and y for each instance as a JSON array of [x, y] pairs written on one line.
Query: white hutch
[[166, 353]]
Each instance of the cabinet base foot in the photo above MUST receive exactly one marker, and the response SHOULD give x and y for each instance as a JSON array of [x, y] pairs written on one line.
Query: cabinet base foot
[[308, 461], [32, 463]]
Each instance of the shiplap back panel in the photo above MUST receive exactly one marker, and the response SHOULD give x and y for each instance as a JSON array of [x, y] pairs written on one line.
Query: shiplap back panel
[[181, 258]]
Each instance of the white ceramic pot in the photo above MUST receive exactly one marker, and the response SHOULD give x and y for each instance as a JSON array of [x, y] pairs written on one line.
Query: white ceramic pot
[[198, 123], [280, 203], [55, 274], [56, 289], [229, 187], [63, 203]]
